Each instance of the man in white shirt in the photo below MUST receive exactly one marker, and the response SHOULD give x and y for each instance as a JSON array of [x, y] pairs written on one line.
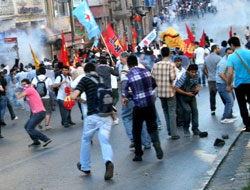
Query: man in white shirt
[[45, 97], [61, 82], [199, 53]]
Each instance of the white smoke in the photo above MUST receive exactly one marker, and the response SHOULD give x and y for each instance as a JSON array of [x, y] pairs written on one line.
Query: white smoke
[[216, 26]]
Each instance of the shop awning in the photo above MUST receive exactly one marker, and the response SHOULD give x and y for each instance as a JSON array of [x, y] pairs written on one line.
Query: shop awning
[[77, 40]]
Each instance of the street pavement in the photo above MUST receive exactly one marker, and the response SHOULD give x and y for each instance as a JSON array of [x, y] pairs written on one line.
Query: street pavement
[[188, 163]]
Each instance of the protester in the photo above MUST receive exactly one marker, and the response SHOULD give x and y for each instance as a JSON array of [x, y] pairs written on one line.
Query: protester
[[142, 84], [209, 69], [38, 113], [239, 66], [94, 123], [199, 54]]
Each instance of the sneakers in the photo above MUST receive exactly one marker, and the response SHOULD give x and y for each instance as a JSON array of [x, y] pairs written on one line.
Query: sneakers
[[14, 118], [109, 170], [116, 122], [212, 112], [175, 137], [137, 158], [227, 120], [48, 127], [196, 132], [47, 142], [34, 144], [79, 167], [72, 123], [158, 150]]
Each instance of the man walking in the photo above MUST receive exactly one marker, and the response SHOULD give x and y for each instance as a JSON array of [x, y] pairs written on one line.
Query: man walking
[[239, 65], [142, 84], [94, 123], [209, 69], [38, 113], [164, 73]]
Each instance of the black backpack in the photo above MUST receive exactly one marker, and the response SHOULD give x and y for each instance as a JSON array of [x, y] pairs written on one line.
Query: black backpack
[[104, 98], [57, 88], [41, 87]]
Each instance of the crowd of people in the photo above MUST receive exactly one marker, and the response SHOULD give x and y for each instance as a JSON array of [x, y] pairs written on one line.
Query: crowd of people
[[149, 73]]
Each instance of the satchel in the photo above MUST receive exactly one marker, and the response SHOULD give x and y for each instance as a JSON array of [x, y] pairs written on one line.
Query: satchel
[[244, 64]]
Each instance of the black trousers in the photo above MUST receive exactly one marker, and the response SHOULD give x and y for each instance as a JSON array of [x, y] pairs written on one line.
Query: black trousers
[[139, 116], [243, 97]]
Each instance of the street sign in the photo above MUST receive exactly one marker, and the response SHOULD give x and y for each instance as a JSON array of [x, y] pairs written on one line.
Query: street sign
[[10, 40]]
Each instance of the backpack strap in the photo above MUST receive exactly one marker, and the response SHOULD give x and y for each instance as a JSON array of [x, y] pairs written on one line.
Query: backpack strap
[[244, 64]]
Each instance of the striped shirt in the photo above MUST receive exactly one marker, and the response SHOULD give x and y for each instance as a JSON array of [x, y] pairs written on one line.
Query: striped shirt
[[164, 73], [192, 81], [142, 84]]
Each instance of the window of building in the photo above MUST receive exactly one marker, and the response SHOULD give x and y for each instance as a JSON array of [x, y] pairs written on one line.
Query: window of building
[[60, 9]]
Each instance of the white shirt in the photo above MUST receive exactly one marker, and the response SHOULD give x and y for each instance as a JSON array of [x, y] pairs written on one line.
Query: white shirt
[[199, 52], [48, 82], [114, 83], [61, 91], [75, 83]]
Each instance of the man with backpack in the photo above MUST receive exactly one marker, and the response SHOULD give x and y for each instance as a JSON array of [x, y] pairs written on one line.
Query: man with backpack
[[61, 82], [42, 85], [98, 119]]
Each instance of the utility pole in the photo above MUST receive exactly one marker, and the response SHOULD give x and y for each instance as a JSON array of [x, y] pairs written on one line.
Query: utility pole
[[71, 23]]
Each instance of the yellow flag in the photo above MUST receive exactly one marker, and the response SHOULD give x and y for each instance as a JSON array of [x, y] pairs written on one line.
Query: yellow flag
[[37, 63], [172, 38]]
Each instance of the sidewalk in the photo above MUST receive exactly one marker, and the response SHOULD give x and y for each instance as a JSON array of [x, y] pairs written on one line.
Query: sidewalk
[[234, 172]]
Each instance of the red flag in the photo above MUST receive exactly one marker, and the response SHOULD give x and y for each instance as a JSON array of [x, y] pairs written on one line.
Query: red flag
[[190, 34], [188, 48], [64, 53], [113, 41], [124, 42], [134, 37], [77, 59], [202, 40], [230, 32]]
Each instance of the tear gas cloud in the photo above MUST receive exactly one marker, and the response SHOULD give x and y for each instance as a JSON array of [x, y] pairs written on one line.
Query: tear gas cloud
[[216, 26]]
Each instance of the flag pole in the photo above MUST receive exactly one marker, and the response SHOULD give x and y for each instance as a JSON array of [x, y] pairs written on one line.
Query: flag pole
[[107, 48]]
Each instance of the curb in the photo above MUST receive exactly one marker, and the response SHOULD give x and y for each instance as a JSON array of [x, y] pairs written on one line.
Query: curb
[[206, 179]]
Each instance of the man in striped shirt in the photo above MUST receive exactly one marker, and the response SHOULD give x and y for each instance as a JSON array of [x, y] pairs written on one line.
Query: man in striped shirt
[[188, 86], [142, 84], [164, 73]]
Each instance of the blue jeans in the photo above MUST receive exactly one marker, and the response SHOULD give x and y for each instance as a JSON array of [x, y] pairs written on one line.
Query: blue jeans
[[127, 118], [169, 109], [229, 100], [201, 75], [101, 125], [65, 113], [3, 104], [34, 120]]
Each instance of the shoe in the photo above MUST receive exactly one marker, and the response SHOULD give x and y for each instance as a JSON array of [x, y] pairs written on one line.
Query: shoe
[[234, 117], [116, 122], [47, 142], [79, 166], [159, 127], [175, 137], [66, 126], [1, 136], [132, 145], [246, 129], [169, 134], [40, 126], [219, 142], [34, 144], [48, 127], [147, 147], [109, 170], [72, 123], [203, 134], [137, 158], [227, 120], [2, 123], [158, 150], [186, 132], [196, 132], [212, 112], [14, 118]]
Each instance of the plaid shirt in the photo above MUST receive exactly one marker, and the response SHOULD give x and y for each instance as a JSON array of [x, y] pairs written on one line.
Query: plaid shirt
[[142, 84], [164, 73]]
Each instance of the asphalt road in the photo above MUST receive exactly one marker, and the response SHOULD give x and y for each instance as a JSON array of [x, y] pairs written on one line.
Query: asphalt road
[[185, 161]]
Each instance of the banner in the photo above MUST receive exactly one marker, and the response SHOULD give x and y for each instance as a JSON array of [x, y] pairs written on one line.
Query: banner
[[124, 42], [64, 53], [148, 39], [188, 48], [112, 41], [86, 18], [171, 38], [37, 63]]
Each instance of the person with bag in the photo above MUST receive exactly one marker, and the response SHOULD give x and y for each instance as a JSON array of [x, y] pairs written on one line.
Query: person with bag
[[61, 82], [239, 67], [99, 103], [188, 86], [42, 85]]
